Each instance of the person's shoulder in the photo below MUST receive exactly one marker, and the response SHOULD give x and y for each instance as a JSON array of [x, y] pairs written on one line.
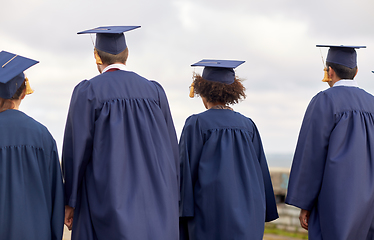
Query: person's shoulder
[[205, 120], [240, 115], [30, 131], [36, 124], [323, 95], [29, 125], [367, 94], [193, 118], [196, 119], [83, 85], [245, 121], [83, 90], [157, 84]]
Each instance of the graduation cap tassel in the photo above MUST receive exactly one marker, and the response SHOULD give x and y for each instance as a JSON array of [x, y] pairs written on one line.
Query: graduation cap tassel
[[28, 87], [326, 75], [192, 90], [97, 57]]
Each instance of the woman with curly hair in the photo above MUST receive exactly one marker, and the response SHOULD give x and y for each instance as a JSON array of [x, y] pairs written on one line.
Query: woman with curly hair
[[226, 190]]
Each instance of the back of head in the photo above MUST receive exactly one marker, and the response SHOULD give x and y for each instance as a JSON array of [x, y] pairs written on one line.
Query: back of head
[[108, 58], [343, 72], [215, 92], [218, 83], [12, 78], [6, 104], [342, 59]]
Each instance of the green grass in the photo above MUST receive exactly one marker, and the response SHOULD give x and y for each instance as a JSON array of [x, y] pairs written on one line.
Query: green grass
[[272, 229]]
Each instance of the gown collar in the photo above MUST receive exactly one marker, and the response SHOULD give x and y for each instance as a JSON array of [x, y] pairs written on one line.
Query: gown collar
[[347, 83], [116, 65]]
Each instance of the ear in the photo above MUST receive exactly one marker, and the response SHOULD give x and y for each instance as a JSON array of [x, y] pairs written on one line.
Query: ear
[[356, 73], [331, 72]]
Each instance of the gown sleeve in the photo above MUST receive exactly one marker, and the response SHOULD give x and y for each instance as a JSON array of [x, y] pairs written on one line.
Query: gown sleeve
[[78, 139], [164, 105], [58, 212], [271, 207], [190, 147], [311, 151]]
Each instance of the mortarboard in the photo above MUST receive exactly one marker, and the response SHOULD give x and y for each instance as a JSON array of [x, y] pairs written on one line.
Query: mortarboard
[[343, 55], [11, 72], [219, 70], [110, 39]]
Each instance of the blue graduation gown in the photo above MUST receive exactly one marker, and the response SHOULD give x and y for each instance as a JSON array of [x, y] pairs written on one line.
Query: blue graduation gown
[[31, 188], [226, 190], [120, 159], [332, 173]]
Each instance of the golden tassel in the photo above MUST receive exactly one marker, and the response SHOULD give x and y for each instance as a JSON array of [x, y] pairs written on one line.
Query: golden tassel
[[28, 87], [97, 57], [326, 76], [192, 90]]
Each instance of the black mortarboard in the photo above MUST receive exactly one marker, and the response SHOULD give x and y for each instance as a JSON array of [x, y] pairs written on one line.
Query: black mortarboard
[[343, 55], [11, 72], [219, 70], [110, 39]]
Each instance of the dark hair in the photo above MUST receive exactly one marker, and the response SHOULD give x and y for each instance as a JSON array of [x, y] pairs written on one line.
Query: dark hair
[[341, 71], [219, 92], [6, 104], [108, 58]]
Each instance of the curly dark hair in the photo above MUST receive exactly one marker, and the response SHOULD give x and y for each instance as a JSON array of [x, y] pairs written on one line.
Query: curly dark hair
[[219, 92]]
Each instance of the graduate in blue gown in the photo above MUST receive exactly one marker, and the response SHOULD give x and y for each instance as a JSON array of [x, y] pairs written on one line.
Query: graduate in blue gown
[[332, 173], [120, 152], [31, 187], [226, 190]]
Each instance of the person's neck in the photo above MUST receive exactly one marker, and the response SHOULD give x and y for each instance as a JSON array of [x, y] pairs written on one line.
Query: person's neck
[[333, 81], [16, 104], [101, 67], [209, 105]]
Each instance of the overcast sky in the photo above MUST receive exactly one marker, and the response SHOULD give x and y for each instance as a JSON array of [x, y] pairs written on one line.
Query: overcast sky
[[276, 38]]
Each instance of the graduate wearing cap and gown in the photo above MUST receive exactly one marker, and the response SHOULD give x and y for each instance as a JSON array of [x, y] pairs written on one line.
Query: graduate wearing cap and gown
[[226, 190], [120, 152], [332, 173], [31, 187]]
